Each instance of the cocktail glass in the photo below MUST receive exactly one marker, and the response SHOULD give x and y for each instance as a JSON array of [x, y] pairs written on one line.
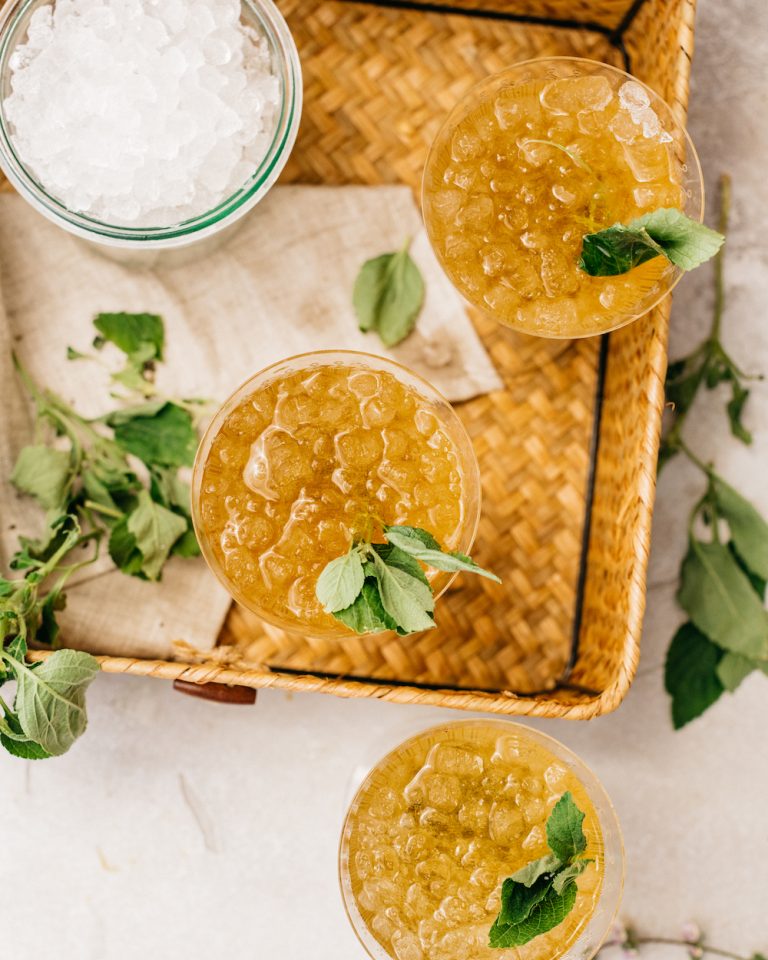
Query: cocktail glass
[[443, 819], [318, 450], [534, 158]]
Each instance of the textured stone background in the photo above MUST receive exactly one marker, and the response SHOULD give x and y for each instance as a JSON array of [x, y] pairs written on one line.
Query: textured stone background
[[185, 830]]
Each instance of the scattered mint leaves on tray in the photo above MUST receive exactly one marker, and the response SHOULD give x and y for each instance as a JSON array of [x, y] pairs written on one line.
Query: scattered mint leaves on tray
[[388, 295], [662, 233], [724, 572], [541, 895], [382, 586], [114, 478]]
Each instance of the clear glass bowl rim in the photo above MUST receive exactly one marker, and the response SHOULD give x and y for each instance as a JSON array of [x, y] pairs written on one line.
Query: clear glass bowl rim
[[196, 228], [610, 899], [692, 160], [469, 464]]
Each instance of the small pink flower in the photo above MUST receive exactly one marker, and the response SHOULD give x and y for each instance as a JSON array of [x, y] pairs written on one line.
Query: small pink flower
[[629, 952], [691, 932], [695, 953], [617, 934]]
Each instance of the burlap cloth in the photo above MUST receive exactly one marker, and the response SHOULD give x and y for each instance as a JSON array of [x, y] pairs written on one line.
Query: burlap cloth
[[282, 286]]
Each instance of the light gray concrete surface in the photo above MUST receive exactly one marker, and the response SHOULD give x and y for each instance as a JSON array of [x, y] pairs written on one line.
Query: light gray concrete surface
[[180, 829]]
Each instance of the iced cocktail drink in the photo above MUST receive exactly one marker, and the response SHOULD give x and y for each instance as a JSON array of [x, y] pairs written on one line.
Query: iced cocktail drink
[[443, 820], [314, 453], [532, 160]]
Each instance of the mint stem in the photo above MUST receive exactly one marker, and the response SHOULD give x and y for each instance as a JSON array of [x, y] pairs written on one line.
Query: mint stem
[[671, 942]]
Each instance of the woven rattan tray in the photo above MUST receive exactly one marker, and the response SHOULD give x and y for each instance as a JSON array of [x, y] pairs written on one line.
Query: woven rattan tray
[[567, 450]]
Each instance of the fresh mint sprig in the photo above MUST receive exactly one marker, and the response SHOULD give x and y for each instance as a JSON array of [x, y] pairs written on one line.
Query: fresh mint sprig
[[81, 473], [381, 586], [662, 233], [541, 895], [723, 574], [388, 294]]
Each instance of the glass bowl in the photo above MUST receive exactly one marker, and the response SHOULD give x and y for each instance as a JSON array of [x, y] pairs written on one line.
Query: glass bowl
[[142, 246], [436, 404], [585, 941], [460, 249]]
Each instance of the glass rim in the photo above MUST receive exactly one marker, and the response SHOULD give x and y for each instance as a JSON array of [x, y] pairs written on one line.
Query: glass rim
[[470, 468], [228, 210], [589, 780], [692, 158]]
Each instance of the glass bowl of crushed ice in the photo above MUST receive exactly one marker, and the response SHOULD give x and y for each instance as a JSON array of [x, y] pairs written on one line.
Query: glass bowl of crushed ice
[[146, 125]]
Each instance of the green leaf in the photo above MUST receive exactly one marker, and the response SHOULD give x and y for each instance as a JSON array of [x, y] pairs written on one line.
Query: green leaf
[[569, 874], [125, 555], [367, 613], [565, 835], [667, 232], [340, 582], [690, 674], [187, 544], [616, 250], [682, 383], [735, 409], [17, 743], [412, 541], [166, 438], [732, 669], [45, 474], [407, 600], [758, 584], [546, 915], [519, 899], [528, 874], [720, 600], [50, 700], [749, 531], [48, 630], [156, 529], [685, 242], [387, 296], [126, 414], [24, 749], [394, 557], [132, 333]]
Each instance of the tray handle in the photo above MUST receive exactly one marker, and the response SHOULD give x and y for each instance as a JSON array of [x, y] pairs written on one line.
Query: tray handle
[[218, 692]]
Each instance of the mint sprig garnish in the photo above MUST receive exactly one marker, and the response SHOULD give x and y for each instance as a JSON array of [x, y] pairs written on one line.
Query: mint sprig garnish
[[388, 294], [662, 233], [382, 586], [541, 895]]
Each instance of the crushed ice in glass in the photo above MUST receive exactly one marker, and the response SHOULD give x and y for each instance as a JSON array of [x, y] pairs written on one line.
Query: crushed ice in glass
[[142, 113]]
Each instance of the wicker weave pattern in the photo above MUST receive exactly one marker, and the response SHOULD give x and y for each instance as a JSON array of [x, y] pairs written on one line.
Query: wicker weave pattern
[[377, 81]]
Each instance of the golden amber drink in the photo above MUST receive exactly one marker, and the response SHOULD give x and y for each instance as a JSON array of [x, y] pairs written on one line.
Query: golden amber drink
[[313, 453], [532, 160], [442, 820]]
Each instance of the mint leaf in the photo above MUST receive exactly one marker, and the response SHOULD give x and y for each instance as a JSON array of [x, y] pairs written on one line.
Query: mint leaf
[[17, 743], [125, 555], [395, 557], [685, 242], [387, 296], [720, 600], [564, 829], [528, 874], [156, 529], [125, 414], [50, 699], [367, 613], [667, 232], [569, 874], [423, 546], [166, 438], [45, 474], [757, 583], [690, 674], [749, 531], [733, 668], [139, 335], [407, 600], [519, 899], [340, 582], [546, 915]]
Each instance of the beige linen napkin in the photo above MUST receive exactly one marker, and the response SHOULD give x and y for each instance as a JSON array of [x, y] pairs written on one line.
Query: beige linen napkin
[[281, 286]]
